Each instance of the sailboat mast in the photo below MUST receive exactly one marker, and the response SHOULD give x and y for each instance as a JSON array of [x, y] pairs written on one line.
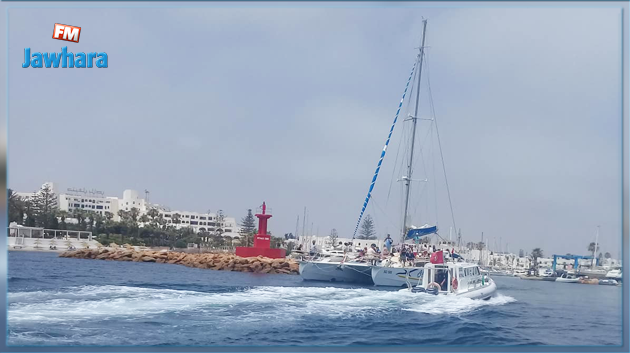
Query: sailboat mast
[[414, 120], [595, 253]]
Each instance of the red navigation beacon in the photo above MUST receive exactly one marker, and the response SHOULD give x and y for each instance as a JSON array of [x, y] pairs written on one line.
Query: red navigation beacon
[[262, 240]]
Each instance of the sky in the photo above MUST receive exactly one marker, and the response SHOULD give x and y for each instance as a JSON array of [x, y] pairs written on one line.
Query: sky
[[224, 107]]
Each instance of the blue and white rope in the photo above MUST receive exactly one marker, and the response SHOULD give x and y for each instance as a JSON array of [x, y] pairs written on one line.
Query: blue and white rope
[[380, 161]]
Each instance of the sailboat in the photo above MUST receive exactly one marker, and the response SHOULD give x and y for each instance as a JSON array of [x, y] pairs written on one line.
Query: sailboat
[[594, 271], [436, 277], [441, 273]]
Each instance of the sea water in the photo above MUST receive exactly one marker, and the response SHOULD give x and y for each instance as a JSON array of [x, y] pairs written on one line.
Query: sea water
[[66, 302]]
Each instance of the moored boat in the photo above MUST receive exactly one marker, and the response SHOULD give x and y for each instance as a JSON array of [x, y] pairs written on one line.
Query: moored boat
[[614, 274], [333, 271], [567, 278]]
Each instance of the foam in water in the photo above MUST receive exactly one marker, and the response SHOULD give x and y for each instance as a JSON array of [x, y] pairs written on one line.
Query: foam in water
[[255, 304]]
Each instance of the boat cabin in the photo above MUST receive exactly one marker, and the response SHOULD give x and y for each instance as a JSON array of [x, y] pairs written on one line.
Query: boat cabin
[[468, 277]]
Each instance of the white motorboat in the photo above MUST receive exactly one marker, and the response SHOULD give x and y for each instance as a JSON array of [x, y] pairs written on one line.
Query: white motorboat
[[567, 278], [519, 273], [455, 279], [614, 274], [608, 282], [545, 272]]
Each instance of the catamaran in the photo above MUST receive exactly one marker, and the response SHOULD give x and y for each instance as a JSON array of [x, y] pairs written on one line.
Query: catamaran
[[442, 273]]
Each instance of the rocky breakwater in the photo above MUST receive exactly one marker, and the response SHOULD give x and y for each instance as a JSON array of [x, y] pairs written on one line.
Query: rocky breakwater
[[221, 261]]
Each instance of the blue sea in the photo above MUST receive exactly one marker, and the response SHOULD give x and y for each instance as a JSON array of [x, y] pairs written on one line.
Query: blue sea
[[68, 302]]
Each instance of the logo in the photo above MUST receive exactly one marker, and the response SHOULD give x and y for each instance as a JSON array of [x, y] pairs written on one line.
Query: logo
[[65, 59], [67, 33], [80, 60]]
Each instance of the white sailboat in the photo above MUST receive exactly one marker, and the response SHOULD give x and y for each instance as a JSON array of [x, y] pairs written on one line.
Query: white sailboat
[[441, 274]]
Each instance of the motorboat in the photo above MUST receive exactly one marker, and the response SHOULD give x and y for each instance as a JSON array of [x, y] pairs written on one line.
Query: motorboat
[[567, 278], [519, 273], [608, 282], [459, 279], [547, 272], [614, 274]]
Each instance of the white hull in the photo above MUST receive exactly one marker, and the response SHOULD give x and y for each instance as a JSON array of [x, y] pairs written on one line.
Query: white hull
[[616, 275], [483, 293], [568, 280], [335, 272], [395, 276]]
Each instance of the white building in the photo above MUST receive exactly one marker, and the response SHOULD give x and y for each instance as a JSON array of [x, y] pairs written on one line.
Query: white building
[[96, 201]]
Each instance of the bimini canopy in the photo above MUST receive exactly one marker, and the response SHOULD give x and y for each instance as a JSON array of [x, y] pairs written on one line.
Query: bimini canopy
[[421, 231]]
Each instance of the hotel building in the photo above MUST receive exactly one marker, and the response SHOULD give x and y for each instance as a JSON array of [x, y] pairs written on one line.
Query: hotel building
[[96, 201]]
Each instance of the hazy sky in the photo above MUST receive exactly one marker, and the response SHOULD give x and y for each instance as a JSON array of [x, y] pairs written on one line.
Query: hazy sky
[[222, 107]]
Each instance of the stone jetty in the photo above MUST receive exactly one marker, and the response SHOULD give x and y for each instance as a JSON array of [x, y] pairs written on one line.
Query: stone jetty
[[212, 261]]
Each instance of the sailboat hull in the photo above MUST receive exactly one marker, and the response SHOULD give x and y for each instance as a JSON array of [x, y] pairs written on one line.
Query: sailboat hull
[[335, 272], [396, 276]]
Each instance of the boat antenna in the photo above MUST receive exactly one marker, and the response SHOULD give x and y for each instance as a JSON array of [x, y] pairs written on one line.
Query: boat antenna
[[414, 120]]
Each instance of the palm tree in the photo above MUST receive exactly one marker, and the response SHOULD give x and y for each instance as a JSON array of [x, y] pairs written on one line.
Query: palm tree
[[154, 214], [63, 215], [536, 254], [16, 207], [79, 215], [591, 248]]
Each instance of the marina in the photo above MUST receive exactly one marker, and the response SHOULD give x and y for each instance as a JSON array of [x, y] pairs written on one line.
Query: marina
[[439, 177]]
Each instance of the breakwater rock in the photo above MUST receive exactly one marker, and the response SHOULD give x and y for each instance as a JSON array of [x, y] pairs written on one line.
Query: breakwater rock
[[218, 261]]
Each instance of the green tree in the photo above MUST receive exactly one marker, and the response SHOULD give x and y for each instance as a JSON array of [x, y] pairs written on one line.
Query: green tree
[[30, 213], [248, 223], [177, 218], [134, 213], [16, 207], [535, 255], [367, 229], [144, 219], [63, 215], [333, 237], [44, 203], [278, 242]]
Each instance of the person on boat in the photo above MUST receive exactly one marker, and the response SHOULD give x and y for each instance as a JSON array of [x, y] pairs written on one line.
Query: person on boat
[[388, 243], [384, 254], [314, 249], [411, 257], [403, 255], [373, 254]]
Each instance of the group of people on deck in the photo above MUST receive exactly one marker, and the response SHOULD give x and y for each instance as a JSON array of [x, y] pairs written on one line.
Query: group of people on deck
[[406, 252]]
